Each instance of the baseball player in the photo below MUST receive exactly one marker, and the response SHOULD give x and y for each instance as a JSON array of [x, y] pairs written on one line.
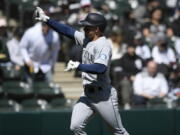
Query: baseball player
[[98, 96]]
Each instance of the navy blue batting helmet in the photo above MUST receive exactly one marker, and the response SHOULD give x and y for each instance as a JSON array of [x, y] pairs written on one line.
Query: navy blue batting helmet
[[94, 20]]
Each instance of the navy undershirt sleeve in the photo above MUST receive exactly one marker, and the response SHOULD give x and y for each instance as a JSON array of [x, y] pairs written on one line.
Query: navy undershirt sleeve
[[69, 31], [61, 28], [92, 68]]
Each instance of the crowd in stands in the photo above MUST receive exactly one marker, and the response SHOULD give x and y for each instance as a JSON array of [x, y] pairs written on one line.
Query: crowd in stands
[[145, 39]]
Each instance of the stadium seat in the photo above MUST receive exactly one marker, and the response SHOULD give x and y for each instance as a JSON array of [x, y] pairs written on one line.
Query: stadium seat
[[47, 91], [8, 105], [1, 92], [58, 103], [9, 73], [178, 102], [34, 104], [156, 103], [18, 90]]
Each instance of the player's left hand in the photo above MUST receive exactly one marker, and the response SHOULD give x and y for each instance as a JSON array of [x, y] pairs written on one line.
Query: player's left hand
[[72, 65]]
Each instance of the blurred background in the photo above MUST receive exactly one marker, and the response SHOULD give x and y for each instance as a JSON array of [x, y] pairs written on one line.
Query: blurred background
[[145, 67]]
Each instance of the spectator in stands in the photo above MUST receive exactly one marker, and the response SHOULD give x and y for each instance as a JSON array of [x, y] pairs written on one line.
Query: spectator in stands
[[130, 26], [39, 47], [174, 83], [86, 7], [155, 27], [177, 48], [142, 49], [4, 55], [129, 65], [151, 4], [142, 12], [173, 42], [149, 84], [164, 56], [175, 22], [118, 48], [15, 49]]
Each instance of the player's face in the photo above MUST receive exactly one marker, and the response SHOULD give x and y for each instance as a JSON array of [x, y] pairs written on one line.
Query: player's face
[[90, 32]]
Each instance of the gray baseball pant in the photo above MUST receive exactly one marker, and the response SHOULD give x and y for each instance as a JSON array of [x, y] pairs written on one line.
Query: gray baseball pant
[[104, 102]]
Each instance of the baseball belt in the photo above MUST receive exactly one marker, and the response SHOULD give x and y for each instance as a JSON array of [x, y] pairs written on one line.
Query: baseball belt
[[92, 88]]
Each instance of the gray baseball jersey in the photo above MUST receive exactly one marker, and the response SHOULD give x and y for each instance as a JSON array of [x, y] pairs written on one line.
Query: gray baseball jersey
[[98, 51]]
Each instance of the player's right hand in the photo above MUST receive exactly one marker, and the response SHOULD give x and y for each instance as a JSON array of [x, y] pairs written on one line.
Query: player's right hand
[[72, 65], [39, 15]]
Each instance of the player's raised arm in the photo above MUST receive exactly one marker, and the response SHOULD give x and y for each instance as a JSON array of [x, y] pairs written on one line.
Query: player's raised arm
[[59, 27]]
